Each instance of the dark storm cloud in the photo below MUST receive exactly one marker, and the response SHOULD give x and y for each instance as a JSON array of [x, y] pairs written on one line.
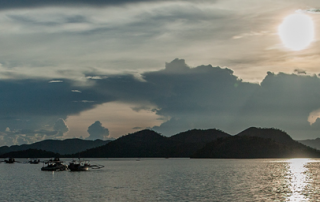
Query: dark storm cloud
[[206, 97], [12, 4], [200, 97], [26, 20], [214, 97], [40, 97], [38, 107]]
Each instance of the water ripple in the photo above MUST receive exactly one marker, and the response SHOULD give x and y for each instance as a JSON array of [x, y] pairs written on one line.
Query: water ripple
[[167, 180]]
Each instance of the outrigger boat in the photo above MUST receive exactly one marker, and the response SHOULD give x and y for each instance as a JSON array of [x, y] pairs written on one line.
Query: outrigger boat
[[10, 160], [34, 161], [82, 165], [54, 165], [78, 165]]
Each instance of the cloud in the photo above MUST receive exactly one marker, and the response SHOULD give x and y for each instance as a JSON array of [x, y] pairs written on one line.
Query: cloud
[[300, 71], [61, 127], [188, 97], [14, 4], [213, 97], [76, 91], [55, 81], [261, 33], [112, 42], [28, 136], [310, 10], [31, 108], [85, 101], [123, 50], [97, 131], [94, 77]]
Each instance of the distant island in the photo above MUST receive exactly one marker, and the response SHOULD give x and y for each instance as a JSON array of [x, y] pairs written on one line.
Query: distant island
[[68, 146], [257, 143], [212, 143], [314, 143], [30, 153]]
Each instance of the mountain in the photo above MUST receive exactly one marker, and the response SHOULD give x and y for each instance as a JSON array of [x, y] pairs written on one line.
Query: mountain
[[148, 143], [212, 143], [145, 143], [30, 153], [187, 143], [199, 136], [257, 143], [315, 143], [268, 133], [68, 146]]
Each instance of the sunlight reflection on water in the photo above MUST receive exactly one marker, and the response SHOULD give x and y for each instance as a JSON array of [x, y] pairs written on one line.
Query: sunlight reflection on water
[[167, 180], [297, 170]]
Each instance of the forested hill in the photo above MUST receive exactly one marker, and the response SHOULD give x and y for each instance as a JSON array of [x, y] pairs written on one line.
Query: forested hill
[[199, 136], [212, 143], [315, 143], [268, 133], [68, 146], [30, 153], [257, 143], [148, 143]]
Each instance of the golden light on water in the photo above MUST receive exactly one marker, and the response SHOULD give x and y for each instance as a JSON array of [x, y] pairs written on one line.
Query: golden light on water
[[297, 171], [297, 31]]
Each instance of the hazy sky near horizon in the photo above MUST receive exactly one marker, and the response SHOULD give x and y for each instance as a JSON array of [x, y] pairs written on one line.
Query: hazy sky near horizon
[[102, 69]]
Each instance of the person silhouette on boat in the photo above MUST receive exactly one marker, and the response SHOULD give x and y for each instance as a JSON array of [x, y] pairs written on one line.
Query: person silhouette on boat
[[10, 160]]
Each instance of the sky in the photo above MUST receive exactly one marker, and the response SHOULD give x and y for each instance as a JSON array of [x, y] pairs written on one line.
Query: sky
[[102, 69]]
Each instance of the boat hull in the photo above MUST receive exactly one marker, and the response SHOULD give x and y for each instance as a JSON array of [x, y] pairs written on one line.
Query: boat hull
[[55, 168], [76, 167]]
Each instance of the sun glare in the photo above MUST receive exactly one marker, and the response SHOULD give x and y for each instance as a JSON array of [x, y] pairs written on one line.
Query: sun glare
[[297, 31]]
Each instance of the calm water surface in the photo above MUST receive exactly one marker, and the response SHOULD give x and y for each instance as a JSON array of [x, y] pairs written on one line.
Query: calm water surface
[[167, 180]]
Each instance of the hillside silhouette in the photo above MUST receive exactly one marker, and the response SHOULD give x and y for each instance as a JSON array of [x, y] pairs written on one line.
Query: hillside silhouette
[[268, 133], [257, 143], [198, 136], [30, 153], [68, 146], [212, 143], [313, 143], [148, 143]]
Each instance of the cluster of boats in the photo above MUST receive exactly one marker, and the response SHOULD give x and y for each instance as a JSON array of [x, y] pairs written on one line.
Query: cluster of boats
[[56, 165]]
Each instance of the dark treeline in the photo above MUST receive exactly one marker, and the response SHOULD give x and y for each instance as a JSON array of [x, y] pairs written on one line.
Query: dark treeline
[[30, 153], [147, 143], [68, 146], [250, 143], [254, 147]]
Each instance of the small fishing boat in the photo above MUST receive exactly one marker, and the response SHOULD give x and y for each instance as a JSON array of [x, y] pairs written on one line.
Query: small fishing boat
[[78, 165], [10, 160], [54, 165], [82, 165], [34, 161]]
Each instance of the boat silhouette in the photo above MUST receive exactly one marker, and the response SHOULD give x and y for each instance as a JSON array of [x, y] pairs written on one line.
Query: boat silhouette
[[82, 165], [54, 165]]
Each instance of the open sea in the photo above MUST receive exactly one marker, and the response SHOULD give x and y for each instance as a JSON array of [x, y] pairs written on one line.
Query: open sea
[[166, 180]]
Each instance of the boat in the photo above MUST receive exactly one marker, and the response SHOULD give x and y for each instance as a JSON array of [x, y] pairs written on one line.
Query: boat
[[10, 160], [54, 165], [82, 165], [34, 161], [79, 165]]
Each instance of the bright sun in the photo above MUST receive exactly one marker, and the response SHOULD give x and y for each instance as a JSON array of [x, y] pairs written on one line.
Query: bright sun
[[297, 31]]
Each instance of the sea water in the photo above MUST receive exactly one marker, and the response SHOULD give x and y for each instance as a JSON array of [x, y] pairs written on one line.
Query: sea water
[[166, 180]]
